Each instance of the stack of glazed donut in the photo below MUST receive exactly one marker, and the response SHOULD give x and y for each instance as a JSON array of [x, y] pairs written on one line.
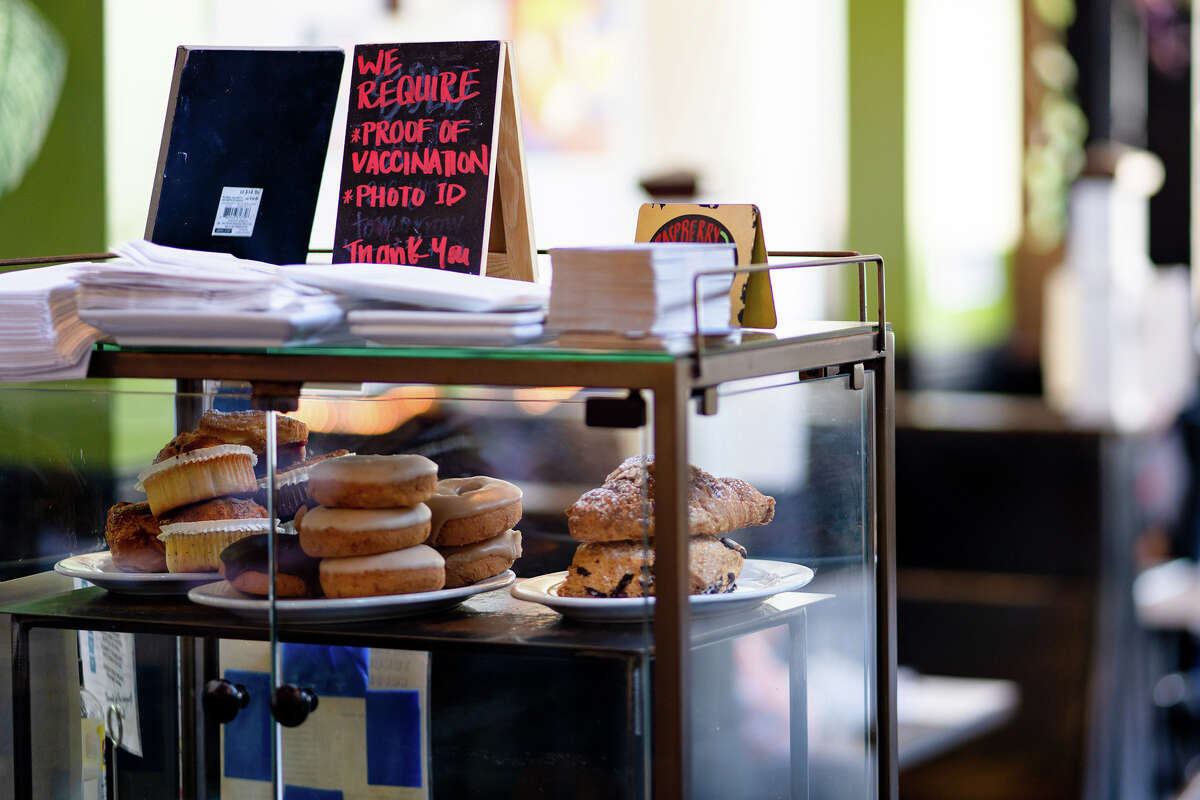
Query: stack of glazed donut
[[386, 525]]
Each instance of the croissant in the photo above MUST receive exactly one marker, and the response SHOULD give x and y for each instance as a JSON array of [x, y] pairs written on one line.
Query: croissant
[[615, 511]]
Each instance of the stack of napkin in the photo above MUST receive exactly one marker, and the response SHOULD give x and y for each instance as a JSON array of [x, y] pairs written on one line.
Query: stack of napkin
[[41, 334], [151, 294], [639, 290], [146, 275]]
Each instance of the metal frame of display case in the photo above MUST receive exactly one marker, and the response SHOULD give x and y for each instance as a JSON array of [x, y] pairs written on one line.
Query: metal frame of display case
[[673, 380]]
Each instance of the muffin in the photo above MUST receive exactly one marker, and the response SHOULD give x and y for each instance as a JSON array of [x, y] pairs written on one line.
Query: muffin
[[193, 467], [292, 485], [132, 535], [249, 428], [195, 535]]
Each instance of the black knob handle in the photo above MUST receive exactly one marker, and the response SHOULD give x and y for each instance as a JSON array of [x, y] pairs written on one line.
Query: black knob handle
[[223, 700], [291, 705]]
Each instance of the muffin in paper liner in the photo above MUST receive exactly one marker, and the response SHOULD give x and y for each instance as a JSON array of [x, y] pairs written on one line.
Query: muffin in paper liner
[[197, 546], [292, 485], [292, 491], [198, 475]]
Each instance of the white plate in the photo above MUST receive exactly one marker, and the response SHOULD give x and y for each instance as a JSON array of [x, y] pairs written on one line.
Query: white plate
[[422, 286], [466, 336], [138, 327], [98, 568], [759, 580], [341, 609], [439, 320]]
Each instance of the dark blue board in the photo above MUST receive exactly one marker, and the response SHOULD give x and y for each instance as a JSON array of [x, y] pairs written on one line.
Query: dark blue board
[[257, 119]]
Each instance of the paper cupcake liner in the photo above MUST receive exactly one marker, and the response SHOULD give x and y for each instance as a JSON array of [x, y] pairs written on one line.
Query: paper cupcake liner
[[203, 454], [250, 525], [190, 483], [200, 552]]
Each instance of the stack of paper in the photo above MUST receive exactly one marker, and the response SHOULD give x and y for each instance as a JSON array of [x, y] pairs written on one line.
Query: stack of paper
[[41, 335], [160, 295], [640, 290]]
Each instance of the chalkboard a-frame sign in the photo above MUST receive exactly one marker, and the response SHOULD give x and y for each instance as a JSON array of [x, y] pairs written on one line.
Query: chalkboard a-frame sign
[[243, 149], [433, 172]]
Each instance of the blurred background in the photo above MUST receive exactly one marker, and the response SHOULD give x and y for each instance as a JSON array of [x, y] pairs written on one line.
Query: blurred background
[[1025, 167]]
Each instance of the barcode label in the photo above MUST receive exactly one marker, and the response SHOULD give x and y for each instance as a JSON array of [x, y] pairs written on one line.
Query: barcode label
[[237, 211]]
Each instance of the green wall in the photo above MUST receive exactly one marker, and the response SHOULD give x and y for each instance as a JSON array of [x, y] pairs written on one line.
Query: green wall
[[876, 146], [58, 207]]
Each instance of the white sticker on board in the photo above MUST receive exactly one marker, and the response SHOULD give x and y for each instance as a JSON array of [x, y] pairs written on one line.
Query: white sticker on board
[[237, 211]]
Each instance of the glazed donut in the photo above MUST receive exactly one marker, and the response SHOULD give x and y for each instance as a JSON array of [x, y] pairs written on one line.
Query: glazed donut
[[472, 563], [244, 564], [372, 481], [342, 532], [414, 569], [468, 510]]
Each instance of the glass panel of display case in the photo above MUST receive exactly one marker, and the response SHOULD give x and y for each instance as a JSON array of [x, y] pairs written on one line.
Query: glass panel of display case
[[539, 673], [785, 706], [501, 694]]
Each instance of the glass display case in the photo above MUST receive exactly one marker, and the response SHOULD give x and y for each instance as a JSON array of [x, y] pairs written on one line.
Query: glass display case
[[782, 687]]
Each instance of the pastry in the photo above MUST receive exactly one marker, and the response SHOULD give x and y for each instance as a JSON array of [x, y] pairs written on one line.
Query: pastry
[[340, 532], [191, 468], [471, 563], [625, 569], [468, 510], [250, 428], [414, 569], [195, 535], [356, 481], [245, 564], [132, 535], [614, 512], [291, 485]]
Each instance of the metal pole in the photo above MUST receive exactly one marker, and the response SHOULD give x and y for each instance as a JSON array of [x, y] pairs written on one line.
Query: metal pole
[[672, 674], [885, 569], [21, 714]]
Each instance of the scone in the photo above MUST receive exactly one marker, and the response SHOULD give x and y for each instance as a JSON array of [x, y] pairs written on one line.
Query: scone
[[195, 535], [191, 468], [624, 569], [249, 428], [614, 512], [132, 535]]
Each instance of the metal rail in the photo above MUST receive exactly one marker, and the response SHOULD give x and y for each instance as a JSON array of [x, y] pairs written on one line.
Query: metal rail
[[837, 259]]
